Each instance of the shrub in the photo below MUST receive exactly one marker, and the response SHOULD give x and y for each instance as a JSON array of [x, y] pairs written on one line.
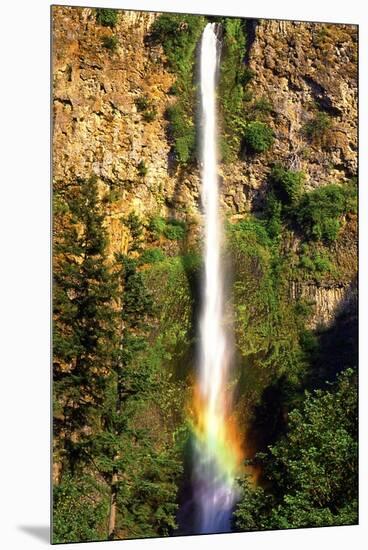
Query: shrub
[[316, 264], [287, 184], [142, 103], [306, 263], [150, 114], [106, 17], [78, 510], [152, 255], [225, 149], [247, 74], [320, 211], [316, 129], [251, 231], [312, 468], [262, 306], [322, 264], [156, 226], [170, 229], [110, 43], [183, 133], [146, 107], [112, 196], [185, 146], [273, 216], [309, 342], [134, 223], [247, 95], [142, 168], [258, 137], [262, 105], [178, 35], [175, 230]]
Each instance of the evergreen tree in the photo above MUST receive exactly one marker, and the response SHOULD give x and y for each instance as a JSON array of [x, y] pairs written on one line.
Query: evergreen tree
[[85, 336], [114, 445], [139, 466]]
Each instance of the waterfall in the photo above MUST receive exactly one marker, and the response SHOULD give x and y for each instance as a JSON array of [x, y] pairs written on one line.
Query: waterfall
[[216, 454]]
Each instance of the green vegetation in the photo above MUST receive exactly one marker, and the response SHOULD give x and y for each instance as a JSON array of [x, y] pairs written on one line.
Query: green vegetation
[[307, 456], [234, 75], [320, 212], [175, 230], [106, 17], [126, 446], [113, 195], [317, 214], [110, 43], [114, 402], [142, 168], [179, 36], [85, 320], [267, 325], [171, 229], [262, 106], [146, 107], [242, 122], [125, 329], [273, 215], [311, 472], [316, 129], [134, 223], [120, 423], [183, 133], [314, 263], [258, 137], [78, 510], [287, 184], [85, 349], [157, 226], [142, 103], [152, 255]]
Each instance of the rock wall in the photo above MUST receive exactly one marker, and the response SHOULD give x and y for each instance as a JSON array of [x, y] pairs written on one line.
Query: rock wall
[[302, 68], [337, 292], [328, 301], [98, 129]]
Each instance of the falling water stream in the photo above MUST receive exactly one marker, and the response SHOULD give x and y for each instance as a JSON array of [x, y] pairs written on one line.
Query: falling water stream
[[216, 454]]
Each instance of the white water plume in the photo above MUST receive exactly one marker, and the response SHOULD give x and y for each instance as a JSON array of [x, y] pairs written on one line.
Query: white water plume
[[215, 460]]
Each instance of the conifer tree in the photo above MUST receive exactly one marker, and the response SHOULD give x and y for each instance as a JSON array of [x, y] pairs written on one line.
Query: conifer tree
[[85, 336], [139, 467]]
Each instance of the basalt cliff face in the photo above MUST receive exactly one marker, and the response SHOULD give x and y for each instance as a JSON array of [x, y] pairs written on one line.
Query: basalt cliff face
[[299, 68]]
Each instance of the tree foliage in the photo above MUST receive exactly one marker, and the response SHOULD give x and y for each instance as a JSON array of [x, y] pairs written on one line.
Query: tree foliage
[[79, 508], [85, 293], [287, 184], [107, 17], [125, 330], [110, 43], [311, 472], [113, 398], [258, 137], [171, 229], [320, 211]]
